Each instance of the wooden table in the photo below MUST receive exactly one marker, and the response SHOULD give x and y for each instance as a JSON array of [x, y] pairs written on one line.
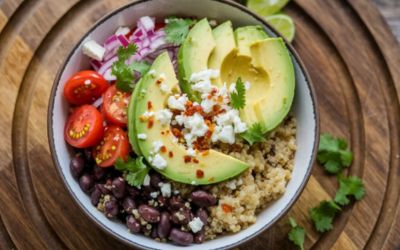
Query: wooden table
[[353, 60]]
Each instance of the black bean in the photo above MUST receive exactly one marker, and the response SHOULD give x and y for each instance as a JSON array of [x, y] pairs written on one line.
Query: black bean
[[155, 179], [99, 173], [132, 224], [86, 183], [176, 203], [181, 238], [181, 217], [87, 153], [111, 208], [77, 165], [162, 201], [202, 214], [96, 194], [199, 237], [132, 191], [128, 204], [164, 226], [103, 189], [154, 233], [149, 213], [118, 187], [203, 199]]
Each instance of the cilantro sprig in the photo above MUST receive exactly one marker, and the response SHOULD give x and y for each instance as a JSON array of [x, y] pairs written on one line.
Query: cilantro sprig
[[124, 72], [323, 215], [296, 234], [136, 170], [333, 154], [177, 29], [254, 134], [349, 186], [238, 96]]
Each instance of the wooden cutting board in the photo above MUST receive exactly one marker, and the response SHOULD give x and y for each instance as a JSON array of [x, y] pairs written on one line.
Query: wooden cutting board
[[353, 61]]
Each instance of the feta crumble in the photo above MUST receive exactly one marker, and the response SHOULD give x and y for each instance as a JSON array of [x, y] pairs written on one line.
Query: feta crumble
[[191, 152], [166, 189], [164, 87], [146, 180], [156, 146], [152, 72], [196, 225], [164, 116], [159, 162], [154, 195], [93, 50], [122, 31], [177, 103], [142, 136]]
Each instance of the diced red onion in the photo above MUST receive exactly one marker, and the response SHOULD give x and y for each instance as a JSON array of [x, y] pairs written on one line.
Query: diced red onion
[[98, 102], [157, 43], [109, 76], [107, 65], [95, 64], [123, 40]]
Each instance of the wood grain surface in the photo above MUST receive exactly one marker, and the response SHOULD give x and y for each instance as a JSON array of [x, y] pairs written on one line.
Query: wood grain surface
[[352, 58]]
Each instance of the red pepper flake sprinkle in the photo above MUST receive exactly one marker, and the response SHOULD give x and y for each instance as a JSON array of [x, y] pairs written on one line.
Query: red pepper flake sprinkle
[[226, 208], [159, 81], [216, 108], [205, 153], [163, 149], [199, 173], [187, 158], [150, 123], [170, 154], [149, 105], [196, 161], [176, 133], [162, 132]]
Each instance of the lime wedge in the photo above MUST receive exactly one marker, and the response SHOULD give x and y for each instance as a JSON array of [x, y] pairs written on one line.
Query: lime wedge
[[284, 24], [266, 7]]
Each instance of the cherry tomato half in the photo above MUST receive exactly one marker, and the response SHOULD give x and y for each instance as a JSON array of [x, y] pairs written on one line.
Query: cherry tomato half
[[85, 87], [115, 106], [159, 26], [114, 145], [84, 127]]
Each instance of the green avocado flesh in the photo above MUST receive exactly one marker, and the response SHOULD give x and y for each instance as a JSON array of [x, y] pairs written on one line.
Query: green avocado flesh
[[213, 165], [250, 54]]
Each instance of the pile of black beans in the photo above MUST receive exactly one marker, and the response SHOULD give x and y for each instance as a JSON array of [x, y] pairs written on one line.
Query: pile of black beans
[[161, 218]]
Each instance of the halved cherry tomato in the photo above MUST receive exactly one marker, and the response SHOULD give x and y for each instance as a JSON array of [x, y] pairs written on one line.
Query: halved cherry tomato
[[85, 87], [114, 145], [159, 26], [115, 106], [84, 127]]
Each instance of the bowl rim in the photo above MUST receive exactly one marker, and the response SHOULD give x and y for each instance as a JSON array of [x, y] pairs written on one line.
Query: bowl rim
[[247, 11]]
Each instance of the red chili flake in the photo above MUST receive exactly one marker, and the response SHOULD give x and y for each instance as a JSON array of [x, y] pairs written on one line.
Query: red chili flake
[[226, 208], [162, 132], [198, 108], [220, 98], [150, 123], [214, 91], [189, 104], [163, 149], [209, 97], [187, 158], [176, 133], [199, 173], [159, 81], [196, 161], [206, 152], [208, 134], [216, 108], [149, 105], [170, 154], [166, 132]]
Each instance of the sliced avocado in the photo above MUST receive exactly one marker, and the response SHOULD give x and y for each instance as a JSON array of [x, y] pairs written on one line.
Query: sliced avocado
[[225, 44], [272, 56], [131, 119], [247, 35], [213, 165], [194, 53]]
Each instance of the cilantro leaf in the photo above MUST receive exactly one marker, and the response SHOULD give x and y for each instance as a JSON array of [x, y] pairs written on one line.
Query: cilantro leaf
[[238, 97], [351, 185], [296, 234], [254, 134], [124, 72], [333, 154], [323, 215], [177, 29], [136, 170]]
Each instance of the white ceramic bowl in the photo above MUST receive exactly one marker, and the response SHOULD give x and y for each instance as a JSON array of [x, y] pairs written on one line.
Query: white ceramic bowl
[[304, 109]]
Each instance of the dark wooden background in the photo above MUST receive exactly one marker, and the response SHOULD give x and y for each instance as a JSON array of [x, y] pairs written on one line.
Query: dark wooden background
[[390, 9]]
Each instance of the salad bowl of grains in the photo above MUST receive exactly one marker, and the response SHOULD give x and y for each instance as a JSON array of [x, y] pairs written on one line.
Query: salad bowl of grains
[[180, 124]]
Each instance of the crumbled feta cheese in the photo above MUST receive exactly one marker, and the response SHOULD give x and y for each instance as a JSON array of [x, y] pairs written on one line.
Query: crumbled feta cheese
[[142, 136], [174, 139], [93, 50], [196, 125], [122, 31], [204, 75], [231, 184], [164, 116], [180, 119], [156, 146], [177, 103], [164, 87], [202, 86], [247, 85], [159, 162], [148, 114], [152, 72], [213, 23], [207, 105], [154, 194], [166, 189], [193, 183], [232, 88], [162, 77], [227, 135], [191, 152], [196, 225], [147, 22], [146, 180], [176, 191]]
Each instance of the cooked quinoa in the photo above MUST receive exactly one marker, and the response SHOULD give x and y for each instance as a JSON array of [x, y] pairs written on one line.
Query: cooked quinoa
[[241, 198]]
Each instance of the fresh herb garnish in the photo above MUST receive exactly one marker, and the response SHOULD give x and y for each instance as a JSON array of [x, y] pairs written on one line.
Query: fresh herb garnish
[[333, 154], [125, 72], [296, 234], [254, 134], [238, 96], [177, 29], [351, 185], [323, 215], [136, 170]]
